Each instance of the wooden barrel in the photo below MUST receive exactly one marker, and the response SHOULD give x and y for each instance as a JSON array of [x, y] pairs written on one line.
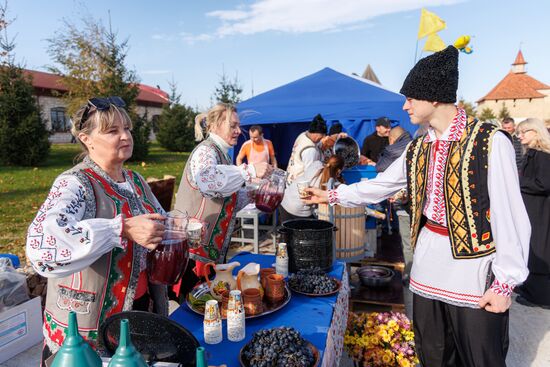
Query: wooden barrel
[[163, 190], [350, 236]]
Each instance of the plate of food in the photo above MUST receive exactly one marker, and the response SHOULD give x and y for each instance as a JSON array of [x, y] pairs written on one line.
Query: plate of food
[[197, 298], [313, 283], [280, 346]]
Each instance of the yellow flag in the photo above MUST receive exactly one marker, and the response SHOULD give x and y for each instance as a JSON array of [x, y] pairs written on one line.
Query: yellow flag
[[434, 43], [429, 24]]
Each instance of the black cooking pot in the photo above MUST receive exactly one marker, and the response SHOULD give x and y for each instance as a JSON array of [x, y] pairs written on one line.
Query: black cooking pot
[[157, 338], [309, 243]]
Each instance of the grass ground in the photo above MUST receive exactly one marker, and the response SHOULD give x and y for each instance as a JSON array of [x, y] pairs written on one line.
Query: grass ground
[[24, 189]]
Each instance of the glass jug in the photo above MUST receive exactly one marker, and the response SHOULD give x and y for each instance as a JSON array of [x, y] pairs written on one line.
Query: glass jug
[[271, 191], [166, 264]]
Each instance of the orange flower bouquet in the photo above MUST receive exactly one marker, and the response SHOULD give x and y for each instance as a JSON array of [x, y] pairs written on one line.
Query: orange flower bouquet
[[380, 340]]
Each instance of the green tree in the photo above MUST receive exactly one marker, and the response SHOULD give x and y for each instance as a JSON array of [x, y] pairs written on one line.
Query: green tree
[[176, 128], [503, 113], [228, 91], [486, 115], [23, 135], [140, 133], [92, 63], [468, 107]]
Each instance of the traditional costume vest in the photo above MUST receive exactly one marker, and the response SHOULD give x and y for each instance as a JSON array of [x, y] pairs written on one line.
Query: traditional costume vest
[[466, 194], [219, 213], [108, 285], [296, 164]]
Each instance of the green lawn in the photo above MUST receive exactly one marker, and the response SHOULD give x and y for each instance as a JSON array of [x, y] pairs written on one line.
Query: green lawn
[[24, 189]]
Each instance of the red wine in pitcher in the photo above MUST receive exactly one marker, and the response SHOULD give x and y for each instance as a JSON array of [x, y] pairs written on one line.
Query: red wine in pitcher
[[166, 264], [268, 202]]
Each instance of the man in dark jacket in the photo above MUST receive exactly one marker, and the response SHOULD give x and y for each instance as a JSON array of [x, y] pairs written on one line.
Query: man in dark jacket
[[509, 126], [398, 140], [375, 143]]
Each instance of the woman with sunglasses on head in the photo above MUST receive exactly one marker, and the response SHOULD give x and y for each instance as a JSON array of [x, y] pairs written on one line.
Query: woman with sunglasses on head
[[212, 188], [91, 235], [534, 179]]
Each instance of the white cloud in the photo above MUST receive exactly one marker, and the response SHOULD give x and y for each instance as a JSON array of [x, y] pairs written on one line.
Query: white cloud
[[194, 38], [161, 37], [307, 16]]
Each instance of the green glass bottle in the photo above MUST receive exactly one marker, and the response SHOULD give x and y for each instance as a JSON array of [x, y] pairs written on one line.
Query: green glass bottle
[[126, 354], [201, 357], [75, 351]]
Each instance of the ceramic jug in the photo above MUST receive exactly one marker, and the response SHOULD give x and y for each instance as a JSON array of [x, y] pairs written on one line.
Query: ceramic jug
[[248, 278], [223, 280]]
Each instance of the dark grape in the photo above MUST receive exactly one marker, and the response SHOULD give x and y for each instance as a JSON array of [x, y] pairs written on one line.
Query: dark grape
[[313, 281], [282, 346]]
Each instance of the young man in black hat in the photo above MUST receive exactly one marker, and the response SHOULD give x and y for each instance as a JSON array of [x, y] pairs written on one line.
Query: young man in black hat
[[469, 228], [375, 143], [306, 149]]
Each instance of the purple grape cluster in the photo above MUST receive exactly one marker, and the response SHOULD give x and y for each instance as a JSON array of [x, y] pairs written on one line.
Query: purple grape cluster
[[278, 347], [314, 281]]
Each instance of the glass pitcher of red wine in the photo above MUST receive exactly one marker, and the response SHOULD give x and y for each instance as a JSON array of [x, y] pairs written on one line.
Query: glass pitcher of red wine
[[271, 191], [167, 263]]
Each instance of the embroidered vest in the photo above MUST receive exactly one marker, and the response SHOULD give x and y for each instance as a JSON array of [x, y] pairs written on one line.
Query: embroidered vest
[[108, 285], [466, 194], [295, 164], [219, 213]]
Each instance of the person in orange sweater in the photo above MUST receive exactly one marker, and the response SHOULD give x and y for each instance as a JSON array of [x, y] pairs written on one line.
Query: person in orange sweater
[[257, 149]]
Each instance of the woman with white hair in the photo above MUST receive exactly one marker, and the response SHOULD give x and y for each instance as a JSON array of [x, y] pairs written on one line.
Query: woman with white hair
[[535, 188], [211, 187]]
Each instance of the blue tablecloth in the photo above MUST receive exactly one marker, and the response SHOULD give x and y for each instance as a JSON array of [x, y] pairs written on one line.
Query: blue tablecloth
[[311, 316]]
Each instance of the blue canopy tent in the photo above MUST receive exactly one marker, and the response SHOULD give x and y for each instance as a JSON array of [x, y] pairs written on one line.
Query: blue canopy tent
[[286, 111]]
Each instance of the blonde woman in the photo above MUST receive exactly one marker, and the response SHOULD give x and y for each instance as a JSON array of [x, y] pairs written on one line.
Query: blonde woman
[[90, 237], [210, 187], [535, 188]]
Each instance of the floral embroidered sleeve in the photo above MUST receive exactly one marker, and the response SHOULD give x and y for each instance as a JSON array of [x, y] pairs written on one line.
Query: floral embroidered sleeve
[[59, 242], [218, 180]]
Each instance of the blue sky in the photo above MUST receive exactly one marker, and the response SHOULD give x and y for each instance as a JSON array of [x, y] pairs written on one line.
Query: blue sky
[[268, 43]]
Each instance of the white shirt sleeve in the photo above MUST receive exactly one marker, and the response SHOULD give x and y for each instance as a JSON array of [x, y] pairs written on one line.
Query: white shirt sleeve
[[385, 185], [59, 242], [218, 180], [310, 155], [510, 224]]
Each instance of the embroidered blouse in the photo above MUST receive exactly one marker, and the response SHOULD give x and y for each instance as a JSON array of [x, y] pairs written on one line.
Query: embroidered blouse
[[218, 180], [71, 244], [509, 222]]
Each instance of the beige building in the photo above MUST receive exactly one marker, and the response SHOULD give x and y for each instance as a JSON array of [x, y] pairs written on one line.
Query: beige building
[[523, 95], [48, 87]]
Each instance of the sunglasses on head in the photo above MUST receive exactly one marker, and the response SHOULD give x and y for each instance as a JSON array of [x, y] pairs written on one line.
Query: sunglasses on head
[[100, 104]]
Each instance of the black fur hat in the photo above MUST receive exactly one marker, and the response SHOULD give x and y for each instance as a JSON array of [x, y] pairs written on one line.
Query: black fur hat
[[434, 78], [318, 125], [336, 128]]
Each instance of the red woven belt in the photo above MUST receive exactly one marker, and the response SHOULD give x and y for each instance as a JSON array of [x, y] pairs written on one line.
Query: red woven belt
[[437, 228]]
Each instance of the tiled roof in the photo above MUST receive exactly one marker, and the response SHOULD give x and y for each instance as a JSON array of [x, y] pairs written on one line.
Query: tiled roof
[[152, 94], [43, 80], [516, 86], [519, 59]]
